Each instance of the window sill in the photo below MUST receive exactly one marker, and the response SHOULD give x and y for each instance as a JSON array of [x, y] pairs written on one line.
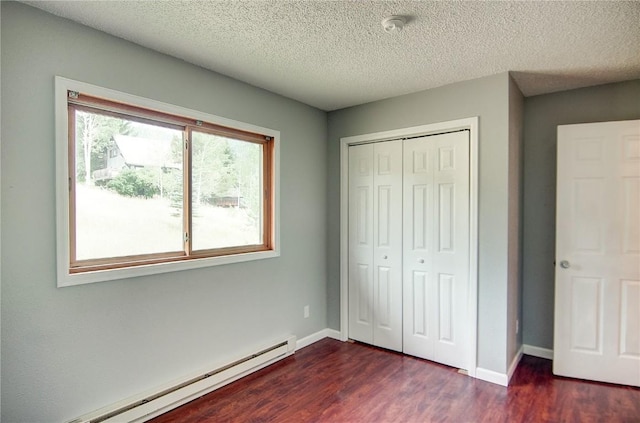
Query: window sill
[[67, 279]]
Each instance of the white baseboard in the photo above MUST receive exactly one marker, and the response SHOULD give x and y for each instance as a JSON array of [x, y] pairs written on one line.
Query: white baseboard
[[501, 378], [315, 337], [537, 351], [167, 402], [154, 402], [491, 376], [514, 364], [334, 334]]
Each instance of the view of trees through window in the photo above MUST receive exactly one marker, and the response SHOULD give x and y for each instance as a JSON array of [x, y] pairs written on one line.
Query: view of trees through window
[[129, 196], [225, 176]]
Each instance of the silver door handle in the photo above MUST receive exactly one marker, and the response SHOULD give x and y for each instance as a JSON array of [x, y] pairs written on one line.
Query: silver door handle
[[565, 264]]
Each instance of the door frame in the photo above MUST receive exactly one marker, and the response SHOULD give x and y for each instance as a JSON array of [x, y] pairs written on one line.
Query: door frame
[[470, 124]]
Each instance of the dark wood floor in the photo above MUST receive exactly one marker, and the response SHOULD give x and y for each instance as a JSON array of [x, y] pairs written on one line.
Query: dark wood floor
[[332, 381]]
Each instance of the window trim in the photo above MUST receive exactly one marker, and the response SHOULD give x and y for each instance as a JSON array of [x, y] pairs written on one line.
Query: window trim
[[66, 276]]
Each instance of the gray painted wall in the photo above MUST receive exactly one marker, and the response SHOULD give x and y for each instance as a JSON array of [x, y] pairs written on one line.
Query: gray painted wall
[[487, 98], [72, 350], [514, 299], [542, 114]]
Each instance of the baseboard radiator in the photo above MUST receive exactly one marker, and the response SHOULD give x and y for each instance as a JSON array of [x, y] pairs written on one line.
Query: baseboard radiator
[[151, 404]]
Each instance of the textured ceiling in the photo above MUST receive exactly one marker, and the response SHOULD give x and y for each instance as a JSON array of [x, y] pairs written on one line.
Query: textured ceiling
[[334, 54]]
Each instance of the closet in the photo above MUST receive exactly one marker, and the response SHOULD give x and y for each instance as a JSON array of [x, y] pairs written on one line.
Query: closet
[[408, 242]]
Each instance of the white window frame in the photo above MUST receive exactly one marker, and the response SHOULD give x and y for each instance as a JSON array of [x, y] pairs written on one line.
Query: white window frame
[[64, 277]]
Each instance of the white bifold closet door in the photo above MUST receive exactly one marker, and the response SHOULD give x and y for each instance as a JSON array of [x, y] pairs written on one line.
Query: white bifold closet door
[[375, 244], [409, 246], [436, 247]]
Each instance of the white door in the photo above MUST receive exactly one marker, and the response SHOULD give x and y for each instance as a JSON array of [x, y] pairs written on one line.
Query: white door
[[597, 296], [436, 247], [375, 244]]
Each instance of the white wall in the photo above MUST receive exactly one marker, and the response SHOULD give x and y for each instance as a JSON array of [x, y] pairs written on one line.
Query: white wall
[[72, 350], [487, 98]]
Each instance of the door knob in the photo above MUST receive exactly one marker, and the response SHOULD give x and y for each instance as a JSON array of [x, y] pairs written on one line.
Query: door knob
[[384, 257], [565, 264], [420, 261]]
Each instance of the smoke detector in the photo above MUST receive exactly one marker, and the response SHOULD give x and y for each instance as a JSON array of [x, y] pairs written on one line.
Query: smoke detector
[[393, 24]]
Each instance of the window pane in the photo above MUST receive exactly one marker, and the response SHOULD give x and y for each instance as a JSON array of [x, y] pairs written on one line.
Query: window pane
[[128, 187], [226, 200]]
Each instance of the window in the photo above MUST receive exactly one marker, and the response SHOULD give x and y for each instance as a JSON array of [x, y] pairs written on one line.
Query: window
[[151, 187]]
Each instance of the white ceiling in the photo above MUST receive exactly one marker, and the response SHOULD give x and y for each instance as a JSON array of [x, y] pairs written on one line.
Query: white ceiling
[[334, 54]]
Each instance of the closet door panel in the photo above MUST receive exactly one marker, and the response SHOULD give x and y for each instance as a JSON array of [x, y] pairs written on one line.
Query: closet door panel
[[436, 245], [419, 301], [450, 260], [387, 251], [361, 266], [375, 244]]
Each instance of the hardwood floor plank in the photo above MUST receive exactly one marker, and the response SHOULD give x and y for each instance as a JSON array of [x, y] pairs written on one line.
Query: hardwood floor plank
[[332, 381]]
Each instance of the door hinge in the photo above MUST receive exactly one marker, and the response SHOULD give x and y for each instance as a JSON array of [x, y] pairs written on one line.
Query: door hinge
[[186, 237], [73, 94]]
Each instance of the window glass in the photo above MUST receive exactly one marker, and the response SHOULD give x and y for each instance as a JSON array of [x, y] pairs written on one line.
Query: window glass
[[128, 187], [226, 200]]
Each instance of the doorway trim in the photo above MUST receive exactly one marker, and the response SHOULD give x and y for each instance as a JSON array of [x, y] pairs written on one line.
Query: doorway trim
[[470, 124]]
